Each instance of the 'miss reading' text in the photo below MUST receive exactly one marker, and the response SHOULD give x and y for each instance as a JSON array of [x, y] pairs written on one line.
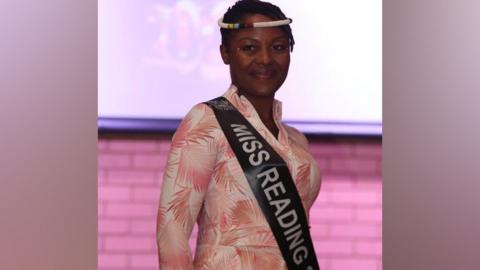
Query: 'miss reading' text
[[275, 192]]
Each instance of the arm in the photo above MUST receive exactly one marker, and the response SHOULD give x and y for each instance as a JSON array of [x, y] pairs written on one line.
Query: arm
[[189, 168]]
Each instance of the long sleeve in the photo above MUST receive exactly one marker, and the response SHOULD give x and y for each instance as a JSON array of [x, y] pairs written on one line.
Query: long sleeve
[[187, 174]]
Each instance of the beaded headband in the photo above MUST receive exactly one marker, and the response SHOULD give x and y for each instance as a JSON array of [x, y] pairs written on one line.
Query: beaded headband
[[253, 25]]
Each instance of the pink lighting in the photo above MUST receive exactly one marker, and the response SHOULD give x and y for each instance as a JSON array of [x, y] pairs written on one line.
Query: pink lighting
[[346, 218]]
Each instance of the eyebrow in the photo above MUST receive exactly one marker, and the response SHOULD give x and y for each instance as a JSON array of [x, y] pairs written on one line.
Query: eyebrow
[[254, 39]]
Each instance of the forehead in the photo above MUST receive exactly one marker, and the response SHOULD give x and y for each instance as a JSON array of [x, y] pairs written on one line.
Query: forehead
[[263, 33]]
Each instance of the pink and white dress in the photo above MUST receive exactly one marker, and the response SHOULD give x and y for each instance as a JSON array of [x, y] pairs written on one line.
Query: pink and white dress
[[203, 182]]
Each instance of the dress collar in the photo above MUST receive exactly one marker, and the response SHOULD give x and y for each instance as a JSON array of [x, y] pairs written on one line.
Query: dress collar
[[244, 105], [246, 108]]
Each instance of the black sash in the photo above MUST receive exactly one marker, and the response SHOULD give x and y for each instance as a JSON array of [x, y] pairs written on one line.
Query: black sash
[[273, 186]]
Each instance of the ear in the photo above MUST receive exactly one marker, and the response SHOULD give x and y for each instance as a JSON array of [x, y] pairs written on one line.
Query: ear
[[224, 54]]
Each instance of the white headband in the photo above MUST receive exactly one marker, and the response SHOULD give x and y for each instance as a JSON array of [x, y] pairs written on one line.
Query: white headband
[[253, 25]]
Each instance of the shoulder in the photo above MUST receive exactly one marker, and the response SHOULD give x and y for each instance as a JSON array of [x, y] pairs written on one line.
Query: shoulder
[[198, 113], [296, 136], [199, 122]]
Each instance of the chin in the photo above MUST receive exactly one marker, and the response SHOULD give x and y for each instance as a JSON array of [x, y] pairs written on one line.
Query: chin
[[262, 90], [259, 88], [267, 92]]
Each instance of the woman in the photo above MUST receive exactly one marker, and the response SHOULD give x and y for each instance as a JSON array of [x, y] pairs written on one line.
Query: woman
[[207, 181]]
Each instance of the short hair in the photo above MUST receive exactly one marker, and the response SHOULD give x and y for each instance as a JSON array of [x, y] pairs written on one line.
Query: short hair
[[245, 7]]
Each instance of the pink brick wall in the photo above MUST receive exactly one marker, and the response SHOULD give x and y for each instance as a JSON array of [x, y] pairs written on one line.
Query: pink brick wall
[[346, 218]]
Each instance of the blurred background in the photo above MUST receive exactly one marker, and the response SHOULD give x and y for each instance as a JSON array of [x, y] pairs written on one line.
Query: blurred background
[[159, 58]]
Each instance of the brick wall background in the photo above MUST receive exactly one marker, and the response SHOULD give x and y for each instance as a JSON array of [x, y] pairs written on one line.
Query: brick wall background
[[346, 219]]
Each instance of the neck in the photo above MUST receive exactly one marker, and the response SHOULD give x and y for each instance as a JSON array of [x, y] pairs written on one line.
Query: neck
[[264, 108]]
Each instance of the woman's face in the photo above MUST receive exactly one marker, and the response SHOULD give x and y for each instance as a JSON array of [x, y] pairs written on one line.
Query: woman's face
[[258, 57]]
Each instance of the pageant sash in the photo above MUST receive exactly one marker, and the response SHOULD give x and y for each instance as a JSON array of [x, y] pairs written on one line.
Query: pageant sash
[[273, 186]]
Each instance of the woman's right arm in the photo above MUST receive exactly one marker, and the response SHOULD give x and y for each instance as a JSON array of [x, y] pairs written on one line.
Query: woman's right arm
[[189, 168]]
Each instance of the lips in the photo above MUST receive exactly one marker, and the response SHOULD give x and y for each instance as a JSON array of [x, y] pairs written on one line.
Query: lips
[[263, 74]]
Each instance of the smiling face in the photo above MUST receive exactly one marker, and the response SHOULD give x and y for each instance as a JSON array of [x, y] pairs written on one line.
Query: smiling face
[[259, 58]]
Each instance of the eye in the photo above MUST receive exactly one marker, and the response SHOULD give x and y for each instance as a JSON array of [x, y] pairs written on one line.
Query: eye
[[280, 47], [248, 48]]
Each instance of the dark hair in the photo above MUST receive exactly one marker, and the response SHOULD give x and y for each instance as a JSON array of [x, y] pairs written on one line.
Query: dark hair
[[244, 7]]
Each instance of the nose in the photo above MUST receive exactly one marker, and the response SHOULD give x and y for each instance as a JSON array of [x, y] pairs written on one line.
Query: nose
[[264, 56]]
